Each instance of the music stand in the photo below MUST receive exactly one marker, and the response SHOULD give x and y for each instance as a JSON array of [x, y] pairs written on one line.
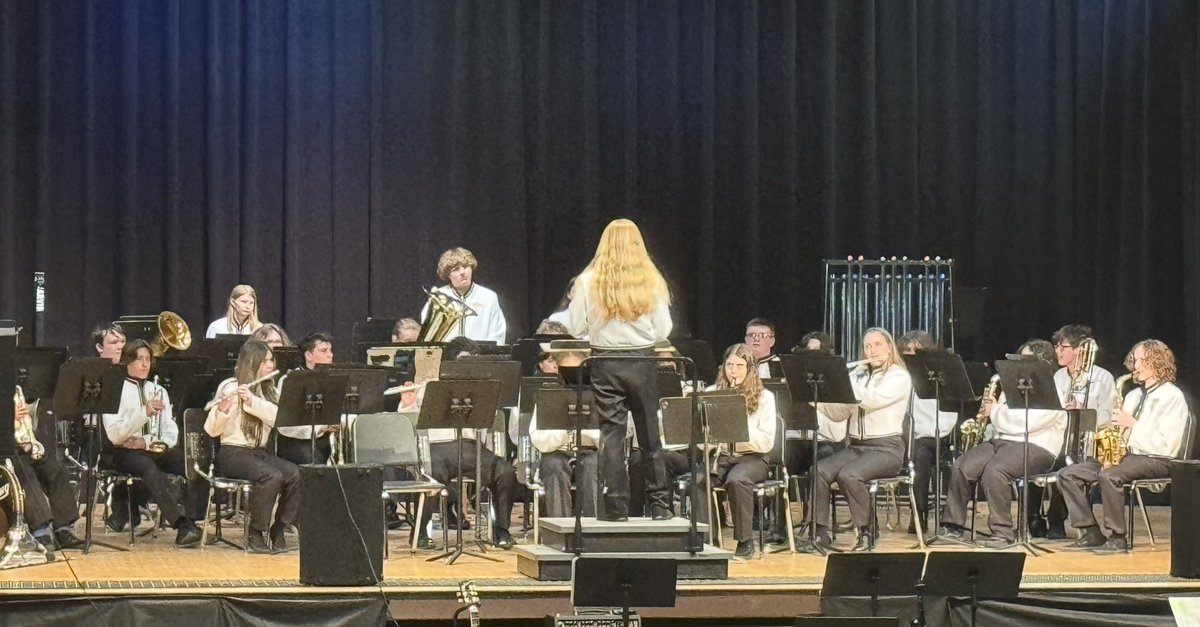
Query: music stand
[[458, 405], [938, 375], [222, 353], [975, 575], [723, 419], [507, 372], [310, 398], [530, 387], [668, 382], [288, 358], [178, 375], [569, 410], [1033, 381], [90, 387], [875, 574], [623, 582], [364, 394], [36, 370], [816, 377]]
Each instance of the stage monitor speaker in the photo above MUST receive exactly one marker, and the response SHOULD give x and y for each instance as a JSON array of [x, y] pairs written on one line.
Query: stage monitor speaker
[[341, 525], [1185, 517]]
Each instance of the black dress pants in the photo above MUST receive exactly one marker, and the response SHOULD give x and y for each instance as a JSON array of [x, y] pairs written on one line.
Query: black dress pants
[[156, 471], [272, 478], [624, 387]]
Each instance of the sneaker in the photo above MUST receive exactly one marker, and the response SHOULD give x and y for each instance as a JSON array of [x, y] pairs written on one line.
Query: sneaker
[[952, 531], [1114, 545], [504, 539], [745, 549], [65, 539], [1092, 537]]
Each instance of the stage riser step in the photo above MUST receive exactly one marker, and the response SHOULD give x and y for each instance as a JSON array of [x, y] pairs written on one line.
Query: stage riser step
[[638, 535], [547, 564]]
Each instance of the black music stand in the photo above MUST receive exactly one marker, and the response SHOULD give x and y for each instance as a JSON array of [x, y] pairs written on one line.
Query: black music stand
[[364, 394], [529, 390], [623, 582], [90, 387], [872, 574], [287, 358], [938, 375], [975, 575], [507, 372], [669, 383], [178, 375], [222, 353], [310, 398], [569, 410], [817, 377], [723, 420], [458, 405], [36, 370], [1031, 386]]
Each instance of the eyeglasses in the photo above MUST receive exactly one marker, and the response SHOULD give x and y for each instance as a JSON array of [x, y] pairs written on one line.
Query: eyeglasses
[[759, 336]]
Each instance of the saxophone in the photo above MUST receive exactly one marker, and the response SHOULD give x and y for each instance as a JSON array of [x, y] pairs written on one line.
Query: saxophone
[[23, 429], [1111, 440], [972, 430]]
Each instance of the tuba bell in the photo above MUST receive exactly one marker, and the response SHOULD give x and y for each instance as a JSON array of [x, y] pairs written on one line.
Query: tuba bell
[[173, 333], [444, 313]]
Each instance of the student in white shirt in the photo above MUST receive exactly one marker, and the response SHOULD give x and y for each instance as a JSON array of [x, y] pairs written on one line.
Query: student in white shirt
[[925, 414], [1156, 415], [621, 303], [295, 443], [457, 267], [738, 470], [876, 445], [760, 337], [241, 316], [242, 420], [996, 463]]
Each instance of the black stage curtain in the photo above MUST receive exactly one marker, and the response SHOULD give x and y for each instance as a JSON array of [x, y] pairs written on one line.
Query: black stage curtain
[[153, 154]]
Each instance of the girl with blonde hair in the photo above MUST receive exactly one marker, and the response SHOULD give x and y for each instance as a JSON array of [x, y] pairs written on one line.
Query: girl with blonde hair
[[621, 304], [241, 316]]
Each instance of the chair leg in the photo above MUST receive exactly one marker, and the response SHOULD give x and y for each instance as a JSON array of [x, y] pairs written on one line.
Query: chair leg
[[1129, 505], [244, 500], [873, 524], [787, 519], [912, 502], [974, 510], [415, 534], [207, 510], [1145, 516], [129, 508]]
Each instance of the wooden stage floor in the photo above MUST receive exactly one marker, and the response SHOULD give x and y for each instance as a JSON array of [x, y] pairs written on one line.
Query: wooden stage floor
[[782, 584]]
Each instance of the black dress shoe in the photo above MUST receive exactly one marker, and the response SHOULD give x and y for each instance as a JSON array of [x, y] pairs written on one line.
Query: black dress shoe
[[612, 517], [504, 539], [997, 543], [188, 536], [279, 543], [65, 539], [658, 512], [1092, 537], [822, 541], [1037, 527], [424, 544], [256, 542], [1056, 530], [744, 549]]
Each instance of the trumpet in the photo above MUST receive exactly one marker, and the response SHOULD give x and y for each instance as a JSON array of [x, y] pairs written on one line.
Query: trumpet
[[153, 431], [221, 398], [23, 429]]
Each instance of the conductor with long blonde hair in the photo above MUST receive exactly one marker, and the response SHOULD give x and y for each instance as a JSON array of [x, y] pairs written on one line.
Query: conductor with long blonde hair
[[621, 302]]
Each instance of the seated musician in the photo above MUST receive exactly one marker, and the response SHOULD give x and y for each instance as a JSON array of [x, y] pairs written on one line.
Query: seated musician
[[876, 445], [760, 337], [1091, 388], [110, 341], [406, 330], [996, 463], [555, 446], [272, 335], [293, 443], [497, 474], [925, 415], [1155, 413], [546, 362], [457, 268], [738, 470], [241, 316], [142, 425], [242, 419], [814, 341], [831, 434], [50, 508]]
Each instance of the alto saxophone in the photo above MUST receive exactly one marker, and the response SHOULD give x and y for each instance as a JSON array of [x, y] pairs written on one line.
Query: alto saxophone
[[1112, 442], [972, 430], [23, 429]]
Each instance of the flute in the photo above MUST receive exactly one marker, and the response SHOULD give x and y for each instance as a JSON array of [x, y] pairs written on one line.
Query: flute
[[223, 397]]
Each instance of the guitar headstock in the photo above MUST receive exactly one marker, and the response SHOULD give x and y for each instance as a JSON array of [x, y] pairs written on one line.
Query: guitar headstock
[[467, 594]]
